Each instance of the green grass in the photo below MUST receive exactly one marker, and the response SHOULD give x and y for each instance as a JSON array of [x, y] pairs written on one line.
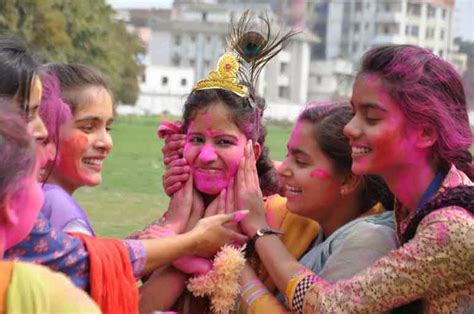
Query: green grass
[[131, 194]]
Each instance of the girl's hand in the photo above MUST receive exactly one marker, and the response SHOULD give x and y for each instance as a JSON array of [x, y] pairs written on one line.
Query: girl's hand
[[210, 235], [180, 208], [177, 169], [249, 195]]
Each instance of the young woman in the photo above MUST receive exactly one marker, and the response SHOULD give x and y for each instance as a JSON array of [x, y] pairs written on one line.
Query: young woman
[[320, 187], [25, 287], [77, 108], [101, 265], [410, 127]]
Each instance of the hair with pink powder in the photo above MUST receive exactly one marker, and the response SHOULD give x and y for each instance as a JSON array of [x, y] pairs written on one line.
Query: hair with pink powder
[[18, 153], [430, 92]]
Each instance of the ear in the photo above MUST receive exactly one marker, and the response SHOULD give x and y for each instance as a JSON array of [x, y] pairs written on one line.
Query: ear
[[257, 149], [8, 215], [426, 137], [349, 184]]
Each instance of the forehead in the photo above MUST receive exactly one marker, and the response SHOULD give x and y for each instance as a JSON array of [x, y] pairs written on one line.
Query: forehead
[[303, 136], [368, 85], [95, 101], [216, 117]]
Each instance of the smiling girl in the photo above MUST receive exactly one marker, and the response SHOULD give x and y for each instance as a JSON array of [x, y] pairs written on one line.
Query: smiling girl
[[410, 127], [77, 108]]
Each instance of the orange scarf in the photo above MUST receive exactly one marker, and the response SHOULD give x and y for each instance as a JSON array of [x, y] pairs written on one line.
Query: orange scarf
[[112, 283], [6, 269]]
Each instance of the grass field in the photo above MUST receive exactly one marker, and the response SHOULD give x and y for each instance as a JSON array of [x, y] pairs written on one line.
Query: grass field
[[131, 194]]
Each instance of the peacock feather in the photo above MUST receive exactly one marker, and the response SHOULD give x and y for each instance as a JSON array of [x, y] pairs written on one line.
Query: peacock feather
[[254, 44]]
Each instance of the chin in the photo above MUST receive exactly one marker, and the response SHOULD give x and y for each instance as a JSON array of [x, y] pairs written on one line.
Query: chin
[[211, 188]]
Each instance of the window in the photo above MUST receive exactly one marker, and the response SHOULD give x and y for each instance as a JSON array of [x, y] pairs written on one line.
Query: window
[[358, 6], [183, 82], [164, 81], [366, 26], [176, 60], [284, 92], [143, 77], [431, 11], [319, 80], [441, 34], [414, 9], [430, 32], [444, 14], [414, 30], [193, 38], [284, 68], [441, 53], [207, 64], [356, 27], [204, 16], [177, 40], [355, 47], [192, 62]]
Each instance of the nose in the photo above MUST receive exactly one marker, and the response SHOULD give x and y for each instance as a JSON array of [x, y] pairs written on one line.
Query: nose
[[104, 141], [207, 154], [352, 130], [283, 170], [38, 130]]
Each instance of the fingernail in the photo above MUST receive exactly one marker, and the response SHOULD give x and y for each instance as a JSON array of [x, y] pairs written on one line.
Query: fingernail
[[240, 215]]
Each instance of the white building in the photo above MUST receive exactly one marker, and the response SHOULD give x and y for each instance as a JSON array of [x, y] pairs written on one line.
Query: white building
[[195, 37], [331, 79], [355, 26]]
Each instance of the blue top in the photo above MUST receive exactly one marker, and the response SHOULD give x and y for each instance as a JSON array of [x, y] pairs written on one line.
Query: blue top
[[351, 248]]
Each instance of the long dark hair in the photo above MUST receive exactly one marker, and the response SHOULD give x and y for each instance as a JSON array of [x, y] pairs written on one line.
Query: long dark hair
[[248, 119], [329, 120], [17, 71], [429, 91]]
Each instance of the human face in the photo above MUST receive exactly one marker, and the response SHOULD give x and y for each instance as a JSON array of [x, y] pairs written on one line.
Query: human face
[[311, 186], [213, 149], [381, 139], [85, 141], [24, 206], [35, 125]]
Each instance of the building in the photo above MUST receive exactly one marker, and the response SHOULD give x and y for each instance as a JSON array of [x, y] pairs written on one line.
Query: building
[[355, 26]]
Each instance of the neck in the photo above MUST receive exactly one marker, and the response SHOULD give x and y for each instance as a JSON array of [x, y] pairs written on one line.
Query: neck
[[410, 182], [207, 199], [64, 185], [344, 212]]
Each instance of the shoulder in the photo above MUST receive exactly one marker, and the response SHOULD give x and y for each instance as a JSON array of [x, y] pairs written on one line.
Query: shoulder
[[370, 232], [452, 220], [46, 291]]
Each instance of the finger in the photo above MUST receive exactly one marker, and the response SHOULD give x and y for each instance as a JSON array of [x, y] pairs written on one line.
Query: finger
[[175, 137], [221, 203], [236, 237], [172, 148], [168, 160], [248, 164], [178, 162], [241, 174], [229, 198], [224, 218], [176, 171], [173, 189]]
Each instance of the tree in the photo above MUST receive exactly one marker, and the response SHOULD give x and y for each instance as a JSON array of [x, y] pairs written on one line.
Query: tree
[[78, 31]]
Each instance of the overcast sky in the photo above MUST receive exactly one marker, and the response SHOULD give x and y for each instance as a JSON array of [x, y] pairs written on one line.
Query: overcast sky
[[463, 13]]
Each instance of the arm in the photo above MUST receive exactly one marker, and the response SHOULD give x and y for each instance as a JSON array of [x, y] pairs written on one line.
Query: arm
[[435, 262], [255, 297]]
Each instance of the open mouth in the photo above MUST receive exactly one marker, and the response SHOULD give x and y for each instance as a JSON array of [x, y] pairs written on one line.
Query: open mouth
[[95, 163], [360, 151], [292, 191]]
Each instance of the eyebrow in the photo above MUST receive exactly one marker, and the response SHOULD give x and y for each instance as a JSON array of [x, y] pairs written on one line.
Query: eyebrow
[[375, 106], [217, 135], [297, 151], [94, 119]]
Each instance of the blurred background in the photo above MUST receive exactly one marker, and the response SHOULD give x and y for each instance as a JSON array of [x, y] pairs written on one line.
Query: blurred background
[[154, 51]]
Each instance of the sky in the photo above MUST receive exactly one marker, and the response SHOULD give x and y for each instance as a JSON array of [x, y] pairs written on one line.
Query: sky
[[463, 13]]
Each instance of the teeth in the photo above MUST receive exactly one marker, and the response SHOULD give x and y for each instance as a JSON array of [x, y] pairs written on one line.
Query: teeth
[[360, 150], [92, 161], [292, 189]]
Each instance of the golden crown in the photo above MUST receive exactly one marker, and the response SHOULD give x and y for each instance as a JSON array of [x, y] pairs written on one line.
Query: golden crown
[[225, 76]]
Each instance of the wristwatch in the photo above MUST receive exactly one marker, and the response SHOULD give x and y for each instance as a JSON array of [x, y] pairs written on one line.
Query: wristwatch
[[250, 250], [264, 231]]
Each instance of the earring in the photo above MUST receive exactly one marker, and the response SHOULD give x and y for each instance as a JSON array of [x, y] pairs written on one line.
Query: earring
[[343, 192]]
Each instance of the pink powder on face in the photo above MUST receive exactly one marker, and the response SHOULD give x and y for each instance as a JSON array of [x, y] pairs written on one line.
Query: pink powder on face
[[320, 174]]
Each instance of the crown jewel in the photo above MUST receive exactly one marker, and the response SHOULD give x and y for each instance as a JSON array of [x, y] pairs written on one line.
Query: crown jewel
[[225, 76]]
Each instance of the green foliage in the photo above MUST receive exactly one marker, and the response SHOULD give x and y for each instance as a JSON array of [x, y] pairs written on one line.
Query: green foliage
[[77, 31]]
